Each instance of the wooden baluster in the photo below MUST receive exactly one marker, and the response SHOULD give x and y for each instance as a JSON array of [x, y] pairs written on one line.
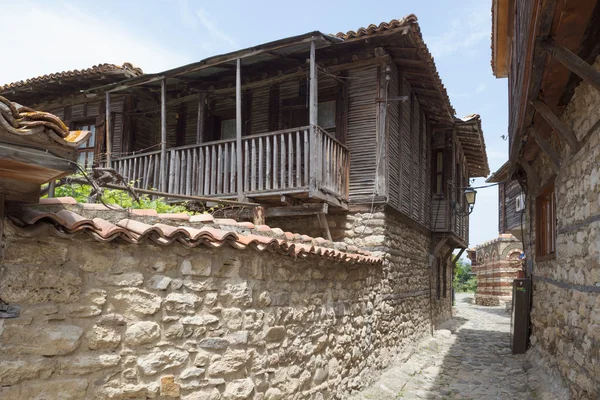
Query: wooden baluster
[[188, 172], [283, 163], [213, 170], [220, 169], [233, 169], [246, 171], [181, 175], [201, 172], [290, 160], [194, 169], [268, 166], [275, 175], [298, 158], [206, 170], [177, 176], [306, 155], [261, 183], [253, 168], [226, 162]]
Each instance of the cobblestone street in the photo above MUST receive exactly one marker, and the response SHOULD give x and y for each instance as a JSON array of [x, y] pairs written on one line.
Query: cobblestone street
[[469, 358]]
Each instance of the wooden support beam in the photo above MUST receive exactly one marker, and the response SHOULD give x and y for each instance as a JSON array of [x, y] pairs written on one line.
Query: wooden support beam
[[438, 246], [51, 188], [163, 135], [573, 62], [296, 211], [313, 118], [238, 129], [532, 177], [324, 226], [548, 149], [556, 123], [200, 119], [447, 254], [460, 253], [108, 130], [258, 215]]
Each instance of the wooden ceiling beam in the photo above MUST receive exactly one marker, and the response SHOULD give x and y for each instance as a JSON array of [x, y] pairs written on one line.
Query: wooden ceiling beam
[[549, 150], [555, 122], [570, 60]]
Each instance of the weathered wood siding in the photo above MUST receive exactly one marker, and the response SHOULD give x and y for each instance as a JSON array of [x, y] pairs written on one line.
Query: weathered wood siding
[[511, 219], [362, 125], [409, 153]]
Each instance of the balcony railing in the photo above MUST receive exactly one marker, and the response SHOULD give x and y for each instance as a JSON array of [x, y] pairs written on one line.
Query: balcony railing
[[274, 162]]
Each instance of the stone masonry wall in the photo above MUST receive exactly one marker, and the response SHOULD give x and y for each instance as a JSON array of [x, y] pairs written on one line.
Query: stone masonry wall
[[497, 266], [566, 296], [116, 321]]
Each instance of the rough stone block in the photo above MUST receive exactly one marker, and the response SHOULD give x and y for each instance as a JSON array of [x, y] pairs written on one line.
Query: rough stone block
[[168, 387], [141, 333], [85, 364], [63, 389], [46, 340], [214, 343], [13, 371], [137, 301], [161, 359], [239, 389], [200, 265], [103, 337]]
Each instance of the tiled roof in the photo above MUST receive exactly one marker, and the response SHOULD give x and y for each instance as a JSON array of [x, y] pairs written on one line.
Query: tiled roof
[[409, 21], [470, 134], [62, 217], [37, 126], [127, 70]]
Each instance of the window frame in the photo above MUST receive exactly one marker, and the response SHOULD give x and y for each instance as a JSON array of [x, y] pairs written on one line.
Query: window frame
[[87, 124], [545, 223]]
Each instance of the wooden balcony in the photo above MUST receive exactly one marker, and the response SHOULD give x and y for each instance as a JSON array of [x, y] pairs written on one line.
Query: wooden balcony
[[274, 164]]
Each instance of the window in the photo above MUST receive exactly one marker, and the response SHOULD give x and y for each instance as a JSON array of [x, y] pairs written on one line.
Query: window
[[86, 149], [545, 215], [326, 115], [439, 173], [228, 129]]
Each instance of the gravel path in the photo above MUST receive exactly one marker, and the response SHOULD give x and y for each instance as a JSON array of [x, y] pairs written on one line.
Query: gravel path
[[469, 358]]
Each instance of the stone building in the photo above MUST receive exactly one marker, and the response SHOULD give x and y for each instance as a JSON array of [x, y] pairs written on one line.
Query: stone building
[[496, 264], [549, 52], [360, 145]]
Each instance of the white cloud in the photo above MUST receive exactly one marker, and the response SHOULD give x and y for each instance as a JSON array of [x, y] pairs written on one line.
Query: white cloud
[[480, 88], [41, 38], [464, 34], [208, 22]]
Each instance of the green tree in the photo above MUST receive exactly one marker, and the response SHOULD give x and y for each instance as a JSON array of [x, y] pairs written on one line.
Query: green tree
[[464, 278]]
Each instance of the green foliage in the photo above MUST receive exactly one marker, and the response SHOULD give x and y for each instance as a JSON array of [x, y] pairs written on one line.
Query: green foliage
[[464, 279], [121, 198]]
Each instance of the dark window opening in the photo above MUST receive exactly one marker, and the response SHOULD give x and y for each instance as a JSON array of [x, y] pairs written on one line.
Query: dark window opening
[[545, 215], [86, 150], [180, 126]]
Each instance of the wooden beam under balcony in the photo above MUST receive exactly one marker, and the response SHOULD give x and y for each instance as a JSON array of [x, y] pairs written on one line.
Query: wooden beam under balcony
[[548, 149], [555, 122], [573, 62]]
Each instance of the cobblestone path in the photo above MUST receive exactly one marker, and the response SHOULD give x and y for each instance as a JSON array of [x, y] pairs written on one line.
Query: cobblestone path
[[469, 358]]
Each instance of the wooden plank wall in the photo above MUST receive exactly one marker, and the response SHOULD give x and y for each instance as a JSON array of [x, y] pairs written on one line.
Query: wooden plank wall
[[409, 154], [88, 111], [394, 144], [362, 124], [512, 217]]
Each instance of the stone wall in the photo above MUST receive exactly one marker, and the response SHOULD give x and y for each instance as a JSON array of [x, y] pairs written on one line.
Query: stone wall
[[566, 293], [497, 265], [116, 321]]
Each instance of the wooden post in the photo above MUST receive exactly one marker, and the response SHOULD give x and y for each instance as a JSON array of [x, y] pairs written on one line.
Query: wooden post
[[572, 62], [313, 119], [258, 215], [238, 129], [200, 120], [163, 135], [108, 130], [51, 188], [556, 123], [547, 148]]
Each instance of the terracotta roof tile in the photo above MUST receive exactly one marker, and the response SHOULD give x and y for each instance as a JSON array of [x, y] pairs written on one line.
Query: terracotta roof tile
[[65, 223], [127, 69]]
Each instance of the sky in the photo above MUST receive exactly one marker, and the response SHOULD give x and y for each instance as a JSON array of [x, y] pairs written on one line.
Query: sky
[[47, 36]]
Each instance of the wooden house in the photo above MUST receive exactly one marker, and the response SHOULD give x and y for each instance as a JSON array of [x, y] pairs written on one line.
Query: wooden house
[[332, 122], [511, 203], [549, 50]]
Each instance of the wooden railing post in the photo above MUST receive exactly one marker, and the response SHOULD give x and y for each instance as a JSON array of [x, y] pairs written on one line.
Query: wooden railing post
[[163, 135], [313, 120], [238, 128], [107, 129]]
